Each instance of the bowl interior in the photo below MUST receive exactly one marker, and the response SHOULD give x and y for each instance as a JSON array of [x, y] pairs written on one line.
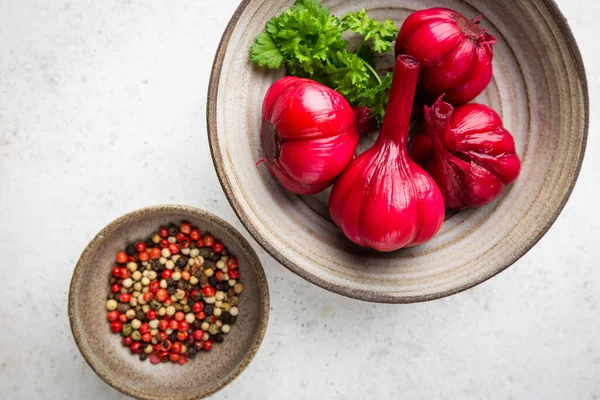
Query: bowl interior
[[538, 88], [201, 376]]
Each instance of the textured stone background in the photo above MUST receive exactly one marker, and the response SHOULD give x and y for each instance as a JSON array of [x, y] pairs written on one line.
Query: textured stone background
[[102, 111]]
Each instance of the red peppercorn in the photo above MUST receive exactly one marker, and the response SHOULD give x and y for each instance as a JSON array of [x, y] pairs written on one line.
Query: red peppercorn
[[162, 294], [148, 297], [197, 307], [124, 297], [126, 341], [154, 287], [209, 240], [155, 253], [116, 326], [213, 319], [131, 259], [217, 247], [176, 347], [151, 314], [184, 243], [166, 345], [121, 257], [162, 336], [185, 227], [181, 335], [185, 275], [219, 276], [164, 356], [163, 325], [167, 274], [208, 291], [168, 302], [124, 273], [144, 256], [163, 233], [198, 335], [232, 263], [184, 326], [173, 248], [183, 360], [116, 271], [113, 315], [201, 315], [115, 288], [207, 345], [235, 274], [173, 324], [179, 316], [163, 244], [136, 347], [123, 318], [199, 243], [145, 328], [154, 358], [147, 337], [174, 357], [180, 236], [195, 234], [140, 246]]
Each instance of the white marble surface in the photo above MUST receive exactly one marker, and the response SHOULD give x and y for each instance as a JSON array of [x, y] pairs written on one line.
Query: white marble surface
[[102, 112]]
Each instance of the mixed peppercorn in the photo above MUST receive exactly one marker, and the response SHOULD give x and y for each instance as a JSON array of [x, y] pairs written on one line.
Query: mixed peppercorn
[[173, 295]]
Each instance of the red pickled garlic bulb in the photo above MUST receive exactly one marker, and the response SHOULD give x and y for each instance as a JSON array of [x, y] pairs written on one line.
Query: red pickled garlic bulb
[[383, 200], [308, 134], [455, 54], [467, 151]]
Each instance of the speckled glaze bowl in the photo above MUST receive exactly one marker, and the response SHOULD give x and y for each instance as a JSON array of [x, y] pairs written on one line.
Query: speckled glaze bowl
[[205, 374], [539, 88]]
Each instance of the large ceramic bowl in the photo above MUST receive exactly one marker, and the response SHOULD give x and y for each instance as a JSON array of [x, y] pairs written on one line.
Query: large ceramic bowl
[[539, 88], [206, 373]]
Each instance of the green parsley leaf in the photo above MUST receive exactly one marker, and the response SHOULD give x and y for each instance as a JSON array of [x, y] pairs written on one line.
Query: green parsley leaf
[[265, 52], [382, 33]]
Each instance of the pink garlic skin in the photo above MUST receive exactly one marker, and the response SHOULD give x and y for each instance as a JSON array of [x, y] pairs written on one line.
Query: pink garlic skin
[[455, 54], [384, 200], [467, 151]]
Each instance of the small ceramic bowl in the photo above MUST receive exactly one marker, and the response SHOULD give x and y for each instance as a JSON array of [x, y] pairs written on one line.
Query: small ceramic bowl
[[209, 371], [540, 90]]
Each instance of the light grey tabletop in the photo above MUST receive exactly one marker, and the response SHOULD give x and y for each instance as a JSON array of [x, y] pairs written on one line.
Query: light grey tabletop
[[102, 111]]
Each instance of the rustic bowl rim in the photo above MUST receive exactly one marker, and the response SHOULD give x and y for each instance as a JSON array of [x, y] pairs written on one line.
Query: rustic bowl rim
[[360, 294], [205, 215]]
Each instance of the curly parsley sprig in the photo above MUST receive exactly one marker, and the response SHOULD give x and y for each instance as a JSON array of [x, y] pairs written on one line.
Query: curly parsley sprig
[[308, 41]]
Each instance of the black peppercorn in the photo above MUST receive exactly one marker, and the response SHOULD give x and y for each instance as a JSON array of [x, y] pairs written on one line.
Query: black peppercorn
[[181, 285], [140, 315], [191, 353], [224, 252], [182, 261], [173, 231], [204, 252], [173, 337], [190, 302], [193, 245], [225, 317], [209, 309], [149, 244], [222, 287], [155, 305], [170, 282], [197, 324], [171, 290], [216, 257], [155, 265], [212, 280], [111, 296], [123, 307], [113, 280], [143, 356], [198, 296], [217, 338], [130, 250]]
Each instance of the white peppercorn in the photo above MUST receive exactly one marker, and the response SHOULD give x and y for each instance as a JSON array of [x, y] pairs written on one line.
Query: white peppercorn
[[226, 328], [132, 266], [145, 280], [210, 300], [219, 295], [205, 325], [137, 275], [162, 260], [130, 314], [165, 253], [170, 264], [170, 311], [190, 317], [111, 305], [234, 311], [194, 253], [136, 323], [127, 282]]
